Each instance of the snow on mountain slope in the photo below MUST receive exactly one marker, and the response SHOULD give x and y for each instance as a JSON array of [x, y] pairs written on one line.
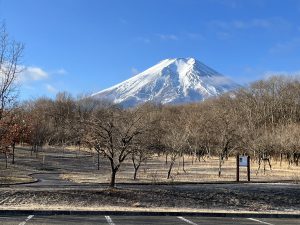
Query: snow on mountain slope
[[171, 81]]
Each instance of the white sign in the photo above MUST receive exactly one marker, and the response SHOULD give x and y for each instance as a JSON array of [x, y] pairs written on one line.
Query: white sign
[[243, 161]]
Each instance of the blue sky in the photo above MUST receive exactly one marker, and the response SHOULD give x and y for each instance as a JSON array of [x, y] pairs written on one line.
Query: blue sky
[[84, 46]]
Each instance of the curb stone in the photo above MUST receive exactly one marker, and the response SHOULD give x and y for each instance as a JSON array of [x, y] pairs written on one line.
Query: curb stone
[[145, 213]]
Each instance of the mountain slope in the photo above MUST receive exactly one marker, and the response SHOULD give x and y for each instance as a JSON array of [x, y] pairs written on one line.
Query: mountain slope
[[171, 81]]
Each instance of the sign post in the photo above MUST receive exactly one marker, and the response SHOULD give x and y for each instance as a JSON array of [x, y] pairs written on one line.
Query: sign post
[[242, 161], [248, 168], [237, 168]]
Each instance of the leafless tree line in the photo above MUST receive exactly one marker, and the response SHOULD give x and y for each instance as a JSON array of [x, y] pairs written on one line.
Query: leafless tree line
[[262, 120]]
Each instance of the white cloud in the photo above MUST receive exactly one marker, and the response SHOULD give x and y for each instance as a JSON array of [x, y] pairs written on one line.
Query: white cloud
[[61, 71], [268, 74], [167, 37], [255, 23], [262, 23], [51, 89], [220, 80], [134, 71], [32, 73], [163, 37]]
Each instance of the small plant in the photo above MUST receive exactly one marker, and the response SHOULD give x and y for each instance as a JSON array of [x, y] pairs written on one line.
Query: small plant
[[296, 179], [154, 177]]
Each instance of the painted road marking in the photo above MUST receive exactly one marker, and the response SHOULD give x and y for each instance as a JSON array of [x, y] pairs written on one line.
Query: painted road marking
[[27, 219], [259, 221], [186, 220], [109, 220]]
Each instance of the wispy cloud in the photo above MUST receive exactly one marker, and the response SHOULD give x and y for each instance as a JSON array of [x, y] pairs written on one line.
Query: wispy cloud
[[168, 37], [144, 40], [227, 3], [51, 89], [236, 4], [134, 71], [194, 36], [268, 74], [223, 35], [226, 29], [32, 74], [220, 80], [286, 47], [261, 23], [152, 38], [61, 71]]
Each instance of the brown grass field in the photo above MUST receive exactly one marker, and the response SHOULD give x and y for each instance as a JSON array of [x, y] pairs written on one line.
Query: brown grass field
[[81, 167]]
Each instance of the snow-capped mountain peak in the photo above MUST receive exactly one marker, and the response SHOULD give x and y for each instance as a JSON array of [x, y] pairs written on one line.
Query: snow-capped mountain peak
[[173, 81]]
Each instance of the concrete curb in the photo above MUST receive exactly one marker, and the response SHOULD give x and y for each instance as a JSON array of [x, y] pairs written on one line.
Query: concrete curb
[[35, 180], [144, 213]]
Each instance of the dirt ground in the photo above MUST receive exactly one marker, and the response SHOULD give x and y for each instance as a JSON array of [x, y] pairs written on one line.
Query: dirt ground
[[89, 190], [261, 198], [81, 167]]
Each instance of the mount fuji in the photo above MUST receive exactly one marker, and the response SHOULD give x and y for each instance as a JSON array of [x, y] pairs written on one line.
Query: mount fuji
[[171, 81]]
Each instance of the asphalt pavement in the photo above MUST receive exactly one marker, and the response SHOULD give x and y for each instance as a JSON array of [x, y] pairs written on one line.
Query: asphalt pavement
[[141, 220]]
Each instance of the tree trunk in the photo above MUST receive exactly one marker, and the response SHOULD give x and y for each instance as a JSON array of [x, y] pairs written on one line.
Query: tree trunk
[[259, 162], [113, 178], [13, 153], [297, 156], [193, 155], [6, 158], [114, 170], [183, 164], [220, 165], [170, 168], [98, 160], [36, 151], [136, 168]]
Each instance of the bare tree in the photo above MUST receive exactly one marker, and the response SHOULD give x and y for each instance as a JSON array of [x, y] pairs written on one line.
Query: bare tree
[[113, 132], [175, 138], [10, 56]]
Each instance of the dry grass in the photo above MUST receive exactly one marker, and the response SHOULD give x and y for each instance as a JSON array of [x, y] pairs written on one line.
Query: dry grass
[[155, 171], [61, 207], [15, 180], [81, 167]]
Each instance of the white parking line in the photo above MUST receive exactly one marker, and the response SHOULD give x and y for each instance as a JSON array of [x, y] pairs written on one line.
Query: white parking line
[[186, 220], [109, 220], [26, 220], [259, 221]]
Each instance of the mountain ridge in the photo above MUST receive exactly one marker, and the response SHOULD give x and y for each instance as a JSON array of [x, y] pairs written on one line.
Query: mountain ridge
[[171, 81]]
